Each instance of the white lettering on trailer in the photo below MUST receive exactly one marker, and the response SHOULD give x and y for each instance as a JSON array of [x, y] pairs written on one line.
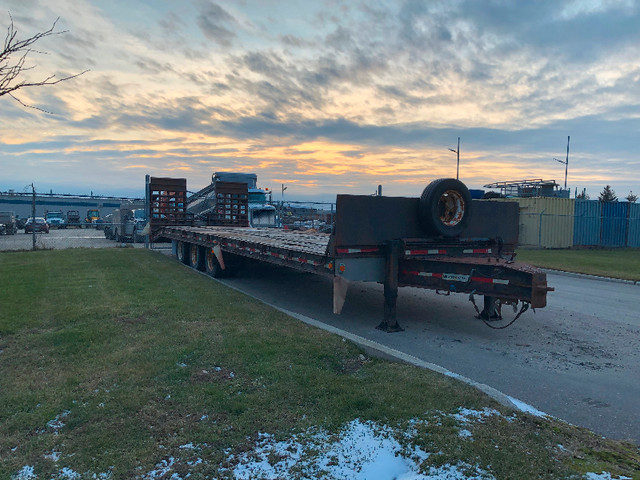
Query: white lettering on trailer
[[455, 277]]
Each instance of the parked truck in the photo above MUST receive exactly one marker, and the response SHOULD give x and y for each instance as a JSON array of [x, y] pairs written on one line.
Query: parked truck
[[125, 224], [8, 223], [233, 198], [91, 220], [55, 219], [442, 241], [73, 218]]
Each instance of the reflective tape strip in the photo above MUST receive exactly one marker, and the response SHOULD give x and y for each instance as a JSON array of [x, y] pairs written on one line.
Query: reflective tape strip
[[422, 274], [425, 252], [457, 277], [357, 250], [477, 250], [498, 281]]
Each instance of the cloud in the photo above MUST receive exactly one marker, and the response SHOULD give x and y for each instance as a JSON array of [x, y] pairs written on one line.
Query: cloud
[[217, 24]]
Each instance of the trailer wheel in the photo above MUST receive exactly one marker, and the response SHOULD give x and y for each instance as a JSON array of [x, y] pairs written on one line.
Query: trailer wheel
[[211, 264], [197, 259], [182, 251], [445, 207]]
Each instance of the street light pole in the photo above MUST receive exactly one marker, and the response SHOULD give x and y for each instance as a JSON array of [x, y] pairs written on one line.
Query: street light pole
[[457, 152]]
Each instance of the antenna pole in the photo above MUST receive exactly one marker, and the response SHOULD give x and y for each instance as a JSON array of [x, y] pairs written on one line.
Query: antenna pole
[[566, 163]]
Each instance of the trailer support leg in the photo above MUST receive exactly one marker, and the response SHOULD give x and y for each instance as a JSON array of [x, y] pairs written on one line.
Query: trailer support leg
[[489, 311], [389, 322]]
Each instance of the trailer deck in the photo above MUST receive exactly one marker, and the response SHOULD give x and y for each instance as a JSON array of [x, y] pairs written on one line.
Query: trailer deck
[[378, 239]]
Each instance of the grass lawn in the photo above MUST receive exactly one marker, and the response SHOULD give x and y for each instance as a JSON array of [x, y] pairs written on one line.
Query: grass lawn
[[122, 363], [617, 263]]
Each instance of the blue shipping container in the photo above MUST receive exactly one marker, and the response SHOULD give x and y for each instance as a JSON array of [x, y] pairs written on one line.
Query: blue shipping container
[[633, 238], [614, 224], [587, 222]]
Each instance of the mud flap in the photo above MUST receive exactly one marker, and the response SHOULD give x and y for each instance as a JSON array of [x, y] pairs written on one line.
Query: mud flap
[[340, 286], [217, 251]]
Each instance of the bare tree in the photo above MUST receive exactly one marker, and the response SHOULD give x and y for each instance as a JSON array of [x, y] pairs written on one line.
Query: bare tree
[[583, 195], [13, 62]]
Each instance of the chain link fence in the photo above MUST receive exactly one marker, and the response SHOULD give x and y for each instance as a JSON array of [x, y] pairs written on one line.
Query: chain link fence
[[70, 236]]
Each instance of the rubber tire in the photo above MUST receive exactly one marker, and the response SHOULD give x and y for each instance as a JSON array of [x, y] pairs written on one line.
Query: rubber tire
[[430, 209], [211, 264], [183, 252], [197, 257]]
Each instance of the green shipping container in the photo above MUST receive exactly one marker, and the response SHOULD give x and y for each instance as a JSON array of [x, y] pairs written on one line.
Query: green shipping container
[[545, 222]]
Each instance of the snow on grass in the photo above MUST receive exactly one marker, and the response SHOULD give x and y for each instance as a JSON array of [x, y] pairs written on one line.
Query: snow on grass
[[361, 451], [525, 407], [57, 423], [25, 473], [604, 476], [54, 456]]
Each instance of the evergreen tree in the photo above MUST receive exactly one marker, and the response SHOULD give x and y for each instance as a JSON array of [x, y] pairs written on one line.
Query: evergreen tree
[[608, 195], [631, 198]]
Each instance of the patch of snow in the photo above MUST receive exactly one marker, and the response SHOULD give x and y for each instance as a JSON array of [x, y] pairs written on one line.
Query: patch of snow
[[181, 364], [464, 433], [361, 451], [162, 469], [68, 474], [55, 456], [604, 476], [526, 408], [57, 423], [189, 446], [465, 415], [25, 473]]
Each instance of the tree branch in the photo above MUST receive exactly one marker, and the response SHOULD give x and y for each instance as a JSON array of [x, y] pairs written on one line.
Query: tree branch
[[12, 62]]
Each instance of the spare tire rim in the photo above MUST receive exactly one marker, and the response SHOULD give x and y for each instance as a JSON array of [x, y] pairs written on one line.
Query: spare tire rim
[[451, 208]]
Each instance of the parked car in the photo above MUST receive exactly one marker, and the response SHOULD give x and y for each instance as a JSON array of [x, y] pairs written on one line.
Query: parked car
[[40, 225]]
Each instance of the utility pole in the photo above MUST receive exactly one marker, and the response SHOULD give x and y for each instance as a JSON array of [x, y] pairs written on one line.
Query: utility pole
[[457, 152], [566, 163], [33, 215]]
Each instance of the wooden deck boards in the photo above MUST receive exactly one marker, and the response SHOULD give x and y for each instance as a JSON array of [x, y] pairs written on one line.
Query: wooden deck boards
[[311, 243]]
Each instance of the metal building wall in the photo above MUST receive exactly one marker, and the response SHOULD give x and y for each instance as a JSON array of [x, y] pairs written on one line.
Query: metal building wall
[[614, 224], [588, 222], [633, 236]]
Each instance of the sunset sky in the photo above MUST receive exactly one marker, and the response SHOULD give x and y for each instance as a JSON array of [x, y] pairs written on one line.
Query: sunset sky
[[325, 97]]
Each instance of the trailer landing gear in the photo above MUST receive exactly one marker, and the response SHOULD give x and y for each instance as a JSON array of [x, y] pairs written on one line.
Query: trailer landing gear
[[389, 323]]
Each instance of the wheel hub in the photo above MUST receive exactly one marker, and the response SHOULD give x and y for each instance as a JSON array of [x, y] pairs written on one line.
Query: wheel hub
[[451, 208]]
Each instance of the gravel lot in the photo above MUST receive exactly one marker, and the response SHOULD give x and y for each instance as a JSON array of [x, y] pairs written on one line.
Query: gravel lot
[[59, 239]]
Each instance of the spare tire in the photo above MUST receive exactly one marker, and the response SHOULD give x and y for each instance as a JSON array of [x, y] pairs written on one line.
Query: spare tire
[[445, 207]]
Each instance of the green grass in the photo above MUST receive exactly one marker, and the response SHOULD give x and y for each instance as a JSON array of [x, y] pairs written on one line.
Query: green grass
[[135, 356], [621, 263]]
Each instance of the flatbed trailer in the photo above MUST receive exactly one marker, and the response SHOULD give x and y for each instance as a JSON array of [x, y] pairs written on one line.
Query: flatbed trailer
[[378, 239]]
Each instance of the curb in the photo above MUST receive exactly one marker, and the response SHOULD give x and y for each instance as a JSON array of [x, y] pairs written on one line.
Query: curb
[[590, 277]]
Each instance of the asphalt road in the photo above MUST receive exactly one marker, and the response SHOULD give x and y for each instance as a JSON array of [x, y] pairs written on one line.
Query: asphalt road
[[578, 359]]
